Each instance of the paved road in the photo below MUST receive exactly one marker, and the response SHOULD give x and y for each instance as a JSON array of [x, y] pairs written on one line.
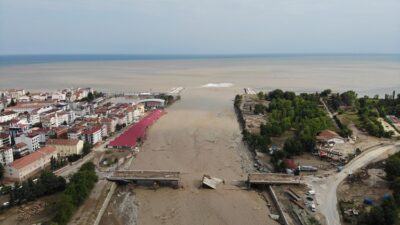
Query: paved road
[[326, 187]]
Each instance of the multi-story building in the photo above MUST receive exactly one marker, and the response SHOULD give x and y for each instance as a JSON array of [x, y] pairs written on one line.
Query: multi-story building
[[110, 123], [58, 96], [66, 147], [5, 139], [75, 133], [7, 116], [92, 135], [27, 166], [21, 149], [6, 155], [44, 134], [32, 140]]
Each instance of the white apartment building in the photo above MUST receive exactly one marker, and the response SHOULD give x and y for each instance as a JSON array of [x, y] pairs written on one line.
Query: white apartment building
[[7, 116], [31, 140], [6, 155], [92, 135]]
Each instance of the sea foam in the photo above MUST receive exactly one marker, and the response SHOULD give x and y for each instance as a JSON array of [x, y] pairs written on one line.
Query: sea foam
[[217, 85]]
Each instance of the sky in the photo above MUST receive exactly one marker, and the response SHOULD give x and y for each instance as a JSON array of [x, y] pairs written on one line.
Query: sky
[[199, 26]]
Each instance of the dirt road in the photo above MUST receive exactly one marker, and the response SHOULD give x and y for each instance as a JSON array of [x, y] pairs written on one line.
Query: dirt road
[[326, 187]]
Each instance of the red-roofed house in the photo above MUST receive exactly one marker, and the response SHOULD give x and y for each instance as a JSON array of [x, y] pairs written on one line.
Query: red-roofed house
[[66, 147], [27, 166], [328, 136]]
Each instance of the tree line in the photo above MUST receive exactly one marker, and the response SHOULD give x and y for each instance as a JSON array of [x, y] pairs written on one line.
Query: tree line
[[30, 190], [76, 191], [368, 109]]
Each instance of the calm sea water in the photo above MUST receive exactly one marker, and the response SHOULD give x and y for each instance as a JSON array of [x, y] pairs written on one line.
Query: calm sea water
[[12, 60]]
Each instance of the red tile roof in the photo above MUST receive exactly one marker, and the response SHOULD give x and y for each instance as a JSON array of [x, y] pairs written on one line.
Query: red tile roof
[[327, 135], [62, 142], [92, 130], [20, 145], [4, 135], [26, 160]]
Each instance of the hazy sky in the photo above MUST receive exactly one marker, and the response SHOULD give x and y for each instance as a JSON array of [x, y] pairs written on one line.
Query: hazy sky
[[199, 26]]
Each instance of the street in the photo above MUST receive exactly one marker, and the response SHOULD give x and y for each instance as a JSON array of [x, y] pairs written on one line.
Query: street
[[326, 187]]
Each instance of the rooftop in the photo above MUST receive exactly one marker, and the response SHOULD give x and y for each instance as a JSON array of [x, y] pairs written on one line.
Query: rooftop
[[26, 160], [327, 134], [62, 142]]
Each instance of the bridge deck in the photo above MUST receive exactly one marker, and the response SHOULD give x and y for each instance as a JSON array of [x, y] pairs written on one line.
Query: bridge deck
[[145, 175], [272, 178]]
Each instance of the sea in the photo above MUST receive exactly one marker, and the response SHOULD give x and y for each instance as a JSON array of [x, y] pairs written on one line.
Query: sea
[[368, 74]]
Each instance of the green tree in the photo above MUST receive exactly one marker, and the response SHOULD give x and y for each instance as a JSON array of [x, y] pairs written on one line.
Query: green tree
[[1, 173], [260, 95], [293, 146], [87, 148], [90, 97], [65, 210], [259, 109]]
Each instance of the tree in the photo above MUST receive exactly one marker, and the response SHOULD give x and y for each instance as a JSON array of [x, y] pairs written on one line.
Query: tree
[[260, 95], [1, 173], [53, 163], [65, 209], [87, 148], [12, 103], [326, 92], [278, 93], [349, 98], [90, 97], [259, 109], [293, 146]]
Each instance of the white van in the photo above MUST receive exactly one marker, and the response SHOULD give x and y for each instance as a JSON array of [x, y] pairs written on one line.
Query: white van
[[311, 192]]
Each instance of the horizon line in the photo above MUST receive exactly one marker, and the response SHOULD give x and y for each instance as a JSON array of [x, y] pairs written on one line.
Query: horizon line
[[195, 54]]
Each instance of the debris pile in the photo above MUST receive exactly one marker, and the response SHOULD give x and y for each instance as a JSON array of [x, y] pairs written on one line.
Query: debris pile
[[25, 212]]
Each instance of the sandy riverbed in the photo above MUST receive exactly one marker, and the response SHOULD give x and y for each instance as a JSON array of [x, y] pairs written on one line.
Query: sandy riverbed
[[199, 135]]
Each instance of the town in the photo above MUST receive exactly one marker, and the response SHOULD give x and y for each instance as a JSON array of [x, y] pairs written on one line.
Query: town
[[57, 131]]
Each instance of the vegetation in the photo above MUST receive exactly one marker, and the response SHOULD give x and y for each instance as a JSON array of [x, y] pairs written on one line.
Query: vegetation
[[92, 96], [12, 103], [46, 184], [387, 212], [87, 148], [56, 163], [287, 111], [77, 190], [119, 127], [368, 110], [301, 113], [169, 99], [1, 173]]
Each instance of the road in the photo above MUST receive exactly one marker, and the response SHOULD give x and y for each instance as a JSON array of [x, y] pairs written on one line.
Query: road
[[326, 188], [329, 113]]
